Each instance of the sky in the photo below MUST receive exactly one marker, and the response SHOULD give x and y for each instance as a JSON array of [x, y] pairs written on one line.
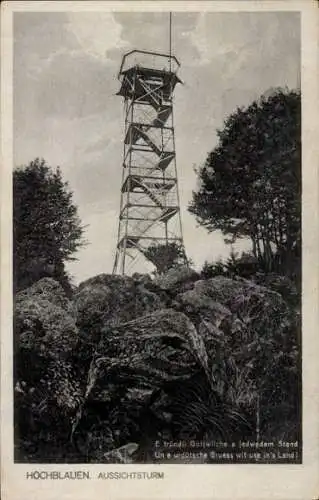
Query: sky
[[67, 112]]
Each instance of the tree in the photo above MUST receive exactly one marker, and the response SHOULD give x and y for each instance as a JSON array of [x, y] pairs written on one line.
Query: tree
[[165, 256], [244, 265], [250, 184], [47, 230]]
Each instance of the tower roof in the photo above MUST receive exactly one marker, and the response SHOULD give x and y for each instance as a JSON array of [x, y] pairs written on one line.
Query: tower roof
[[147, 59]]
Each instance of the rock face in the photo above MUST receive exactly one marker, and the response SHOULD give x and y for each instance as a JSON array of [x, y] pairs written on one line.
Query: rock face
[[132, 362], [236, 320], [50, 290], [135, 357], [45, 320], [47, 389], [147, 351], [176, 278], [112, 300], [108, 300]]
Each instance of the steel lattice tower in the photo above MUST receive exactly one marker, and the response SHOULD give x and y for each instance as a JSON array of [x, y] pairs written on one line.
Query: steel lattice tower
[[149, 207]]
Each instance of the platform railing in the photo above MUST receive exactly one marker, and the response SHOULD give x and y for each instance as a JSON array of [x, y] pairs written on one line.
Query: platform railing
[[147, 59]]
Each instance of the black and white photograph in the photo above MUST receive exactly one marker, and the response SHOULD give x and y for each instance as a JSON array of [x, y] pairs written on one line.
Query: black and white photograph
[[157, 238]]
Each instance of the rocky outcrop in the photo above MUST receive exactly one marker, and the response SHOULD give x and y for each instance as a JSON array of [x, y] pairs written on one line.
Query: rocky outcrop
[[45, 320], [134, 357], [47, 289], [231, 305], [240, 323], [175, 279], [133, 361], [147, 351], [109, 300], [47, 388], [112, 300]]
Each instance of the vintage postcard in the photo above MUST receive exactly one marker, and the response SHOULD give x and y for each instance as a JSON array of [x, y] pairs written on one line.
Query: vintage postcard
[[159, 250]]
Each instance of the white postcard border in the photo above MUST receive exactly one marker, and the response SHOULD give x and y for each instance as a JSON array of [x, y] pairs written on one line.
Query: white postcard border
[[180, 481]]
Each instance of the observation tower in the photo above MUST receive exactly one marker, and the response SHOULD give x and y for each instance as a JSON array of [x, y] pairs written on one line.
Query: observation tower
[[149, 199]]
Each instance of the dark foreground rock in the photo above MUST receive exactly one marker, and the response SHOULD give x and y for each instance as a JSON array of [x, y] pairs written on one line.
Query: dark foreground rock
[[245, 328], [161, 346], [46, 386], [135, 359], [176, 279], [112, 300], [132, 362]]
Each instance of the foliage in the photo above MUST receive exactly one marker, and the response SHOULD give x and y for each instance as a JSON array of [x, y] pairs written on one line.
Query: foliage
[[250, 184], [46, 228], [245, 265], [166, 256], [198, 412]]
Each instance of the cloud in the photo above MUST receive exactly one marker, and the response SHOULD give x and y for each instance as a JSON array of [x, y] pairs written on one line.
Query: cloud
[[97, 33], [215, 37], [233, 36]]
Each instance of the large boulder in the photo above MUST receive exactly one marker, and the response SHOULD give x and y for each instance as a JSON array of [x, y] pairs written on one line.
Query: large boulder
[[133, 359], [160, 346], [132, 363], [109, 300], [45, 321], [48, 289], [246, 328], [47, 391], [220, 300], [176, 278]]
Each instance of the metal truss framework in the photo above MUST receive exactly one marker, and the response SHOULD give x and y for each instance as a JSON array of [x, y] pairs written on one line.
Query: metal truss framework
[[149, 206]]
